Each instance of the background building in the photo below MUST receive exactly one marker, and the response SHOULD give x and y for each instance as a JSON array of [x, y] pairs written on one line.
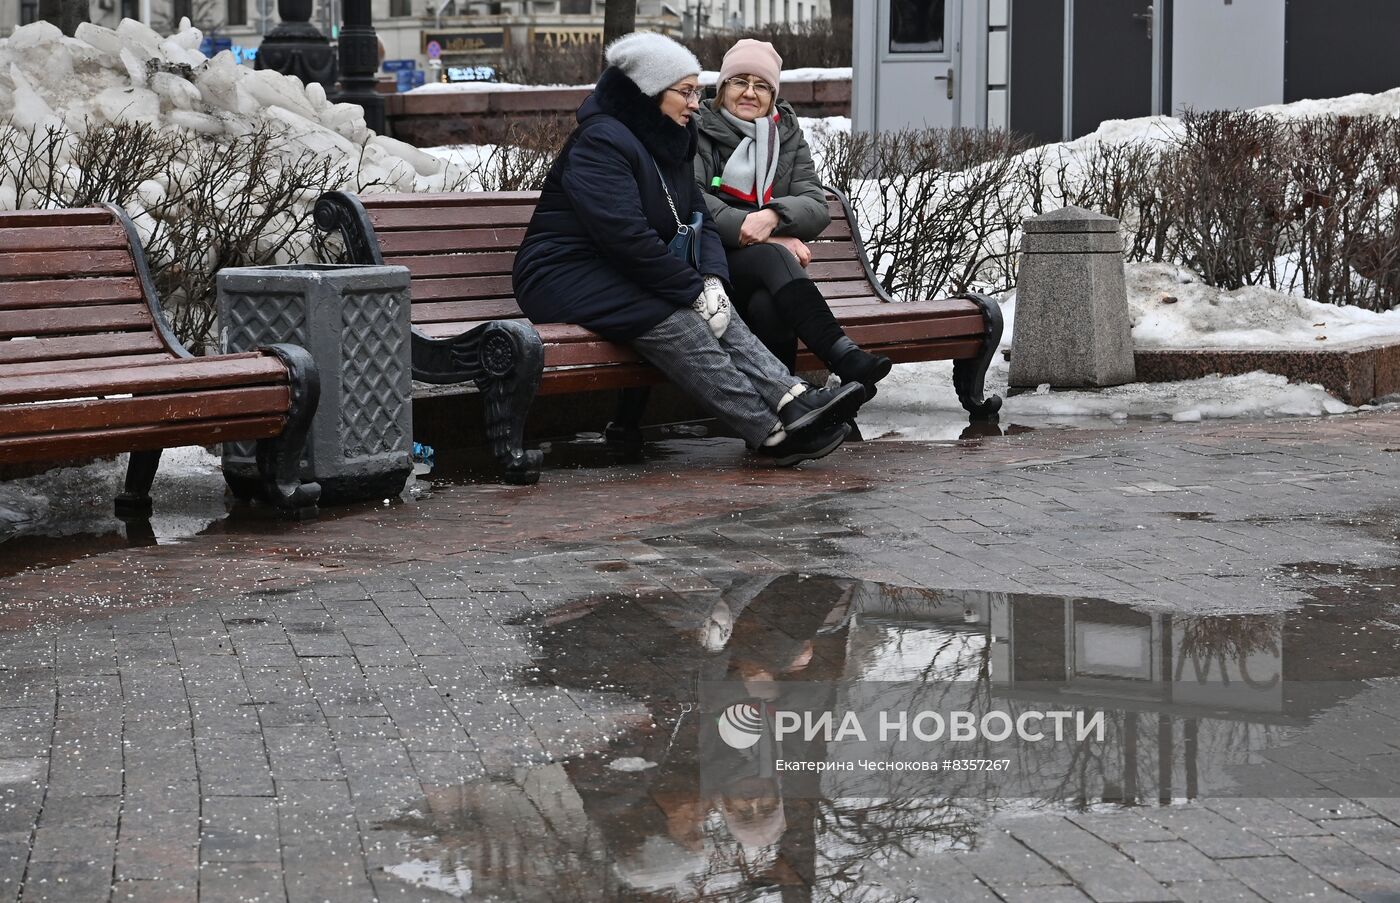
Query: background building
[[1058, 68]]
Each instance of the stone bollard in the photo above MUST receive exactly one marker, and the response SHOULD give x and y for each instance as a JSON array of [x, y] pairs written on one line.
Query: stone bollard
[[1072, 324], [355, 322]]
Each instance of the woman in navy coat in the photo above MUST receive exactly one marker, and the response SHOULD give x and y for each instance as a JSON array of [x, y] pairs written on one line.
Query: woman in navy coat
[[597, 254]]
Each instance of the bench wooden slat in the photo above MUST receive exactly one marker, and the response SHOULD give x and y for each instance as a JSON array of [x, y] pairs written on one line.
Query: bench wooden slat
[[869, 335], [875, 309], [592, 379], [436, 200], [30, 219], [462, 288], [466, 313], [25, 238], [488, 263], [835, 270], [87, 443], [196, 373], [70, 416], [71, 348], [88, 363], [451, 240], [392, 219], [846, 289], [831, 250], [77, 263], [70, 320], [69, 292]]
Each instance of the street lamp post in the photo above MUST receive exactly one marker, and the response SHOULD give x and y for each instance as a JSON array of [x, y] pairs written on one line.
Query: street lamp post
[[295, 47], [359, 63]]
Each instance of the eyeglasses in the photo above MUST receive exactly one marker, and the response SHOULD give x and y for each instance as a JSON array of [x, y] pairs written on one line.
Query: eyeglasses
[[760, 89], [690, 95]]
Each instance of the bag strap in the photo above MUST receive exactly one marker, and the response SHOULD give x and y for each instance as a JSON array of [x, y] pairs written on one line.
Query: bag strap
[[681, 228]]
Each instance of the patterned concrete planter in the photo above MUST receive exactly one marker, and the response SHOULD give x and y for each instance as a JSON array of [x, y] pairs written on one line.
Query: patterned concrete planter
[[355, 322]]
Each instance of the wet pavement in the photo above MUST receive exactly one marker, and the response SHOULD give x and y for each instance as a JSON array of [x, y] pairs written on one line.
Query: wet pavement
[[498, 693]]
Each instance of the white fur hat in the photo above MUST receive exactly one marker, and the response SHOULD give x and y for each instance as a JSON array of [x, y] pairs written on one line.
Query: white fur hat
[[653, 62]]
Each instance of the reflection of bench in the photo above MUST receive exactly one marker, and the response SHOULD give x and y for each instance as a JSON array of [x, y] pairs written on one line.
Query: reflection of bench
[[89, 366], [466, 325]]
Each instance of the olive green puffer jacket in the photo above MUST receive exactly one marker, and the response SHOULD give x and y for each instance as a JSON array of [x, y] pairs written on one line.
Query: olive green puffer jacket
[[798, 197]]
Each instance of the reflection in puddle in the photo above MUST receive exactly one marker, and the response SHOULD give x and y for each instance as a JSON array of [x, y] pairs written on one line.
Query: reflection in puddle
[[1195, 705]]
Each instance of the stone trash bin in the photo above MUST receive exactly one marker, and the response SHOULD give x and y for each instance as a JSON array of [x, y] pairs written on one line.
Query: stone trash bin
[[355, 322], [1072, 329]]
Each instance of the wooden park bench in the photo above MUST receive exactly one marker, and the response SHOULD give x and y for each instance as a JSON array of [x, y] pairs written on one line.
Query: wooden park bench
[[89, 365], [459, 249]]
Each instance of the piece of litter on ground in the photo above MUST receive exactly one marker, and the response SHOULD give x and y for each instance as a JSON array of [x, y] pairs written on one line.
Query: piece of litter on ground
[[630, 763]]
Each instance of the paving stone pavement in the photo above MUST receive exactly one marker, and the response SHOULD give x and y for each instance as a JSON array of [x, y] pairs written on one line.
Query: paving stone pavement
[[260, 712]]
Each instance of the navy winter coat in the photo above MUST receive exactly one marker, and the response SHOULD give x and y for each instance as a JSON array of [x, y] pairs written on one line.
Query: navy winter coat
[[596, 251]]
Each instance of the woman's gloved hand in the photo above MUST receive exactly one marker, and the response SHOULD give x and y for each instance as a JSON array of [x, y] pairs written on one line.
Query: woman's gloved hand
[[713, 306]]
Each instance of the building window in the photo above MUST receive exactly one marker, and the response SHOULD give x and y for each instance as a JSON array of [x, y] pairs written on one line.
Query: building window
[[916, 26], [237, 12], [787, 12], [799, 11], [398, 9], [772, 11], [576, 7], [28, 11], [131, 9]]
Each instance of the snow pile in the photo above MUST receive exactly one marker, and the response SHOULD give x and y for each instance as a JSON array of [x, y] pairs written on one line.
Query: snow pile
[[70, 500], [1172, 308], [132, 74]]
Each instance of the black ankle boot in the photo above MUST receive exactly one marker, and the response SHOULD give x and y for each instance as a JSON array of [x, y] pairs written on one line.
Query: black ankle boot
[[854, 365]]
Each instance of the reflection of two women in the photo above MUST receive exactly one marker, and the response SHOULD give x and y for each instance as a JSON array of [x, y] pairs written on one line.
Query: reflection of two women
[[708, 814]]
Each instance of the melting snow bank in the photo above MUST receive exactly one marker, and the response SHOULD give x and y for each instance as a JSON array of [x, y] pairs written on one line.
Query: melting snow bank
[[917, 401], [189, 493], [1172, 308], [103, 76]]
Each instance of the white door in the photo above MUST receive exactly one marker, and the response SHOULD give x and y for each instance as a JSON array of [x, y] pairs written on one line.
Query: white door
[[918, 55]]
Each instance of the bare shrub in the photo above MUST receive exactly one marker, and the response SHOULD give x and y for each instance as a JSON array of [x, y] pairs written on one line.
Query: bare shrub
[[523, 159], [939, 209], [1345, 173], [821, 43], [1225, 184], [243, 203], [572, 64], [198, 204]]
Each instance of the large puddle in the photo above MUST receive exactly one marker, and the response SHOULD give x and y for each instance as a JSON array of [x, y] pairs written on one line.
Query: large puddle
[[1302, 704]]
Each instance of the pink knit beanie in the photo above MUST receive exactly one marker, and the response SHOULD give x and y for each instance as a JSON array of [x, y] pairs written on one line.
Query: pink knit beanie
[[757, 58]]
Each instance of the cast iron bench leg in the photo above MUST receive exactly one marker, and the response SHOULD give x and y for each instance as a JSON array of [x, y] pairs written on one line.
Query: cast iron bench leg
[[504, 359], [512, 359], [134, 504], [969, 374], [279, 458]]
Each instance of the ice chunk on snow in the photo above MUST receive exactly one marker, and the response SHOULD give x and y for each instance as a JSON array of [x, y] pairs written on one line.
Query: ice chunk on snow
[[273, 89], [135, 68], [35, 34], [426, 164], [178, 92], [103, 39], [129, 105], [202, 123], [139, 39], [30, 110]]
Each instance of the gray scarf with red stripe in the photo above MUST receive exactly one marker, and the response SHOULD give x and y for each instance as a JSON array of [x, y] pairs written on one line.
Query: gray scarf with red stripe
[[752, 167]]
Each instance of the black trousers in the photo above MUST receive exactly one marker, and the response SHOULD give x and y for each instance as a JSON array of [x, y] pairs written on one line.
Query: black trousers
[[757, 273]]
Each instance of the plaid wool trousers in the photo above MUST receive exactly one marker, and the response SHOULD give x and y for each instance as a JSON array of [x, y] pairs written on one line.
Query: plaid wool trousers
[[733, 377]]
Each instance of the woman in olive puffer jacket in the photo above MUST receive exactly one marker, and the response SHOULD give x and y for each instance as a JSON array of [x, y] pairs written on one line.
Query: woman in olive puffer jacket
[[763, 194]]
